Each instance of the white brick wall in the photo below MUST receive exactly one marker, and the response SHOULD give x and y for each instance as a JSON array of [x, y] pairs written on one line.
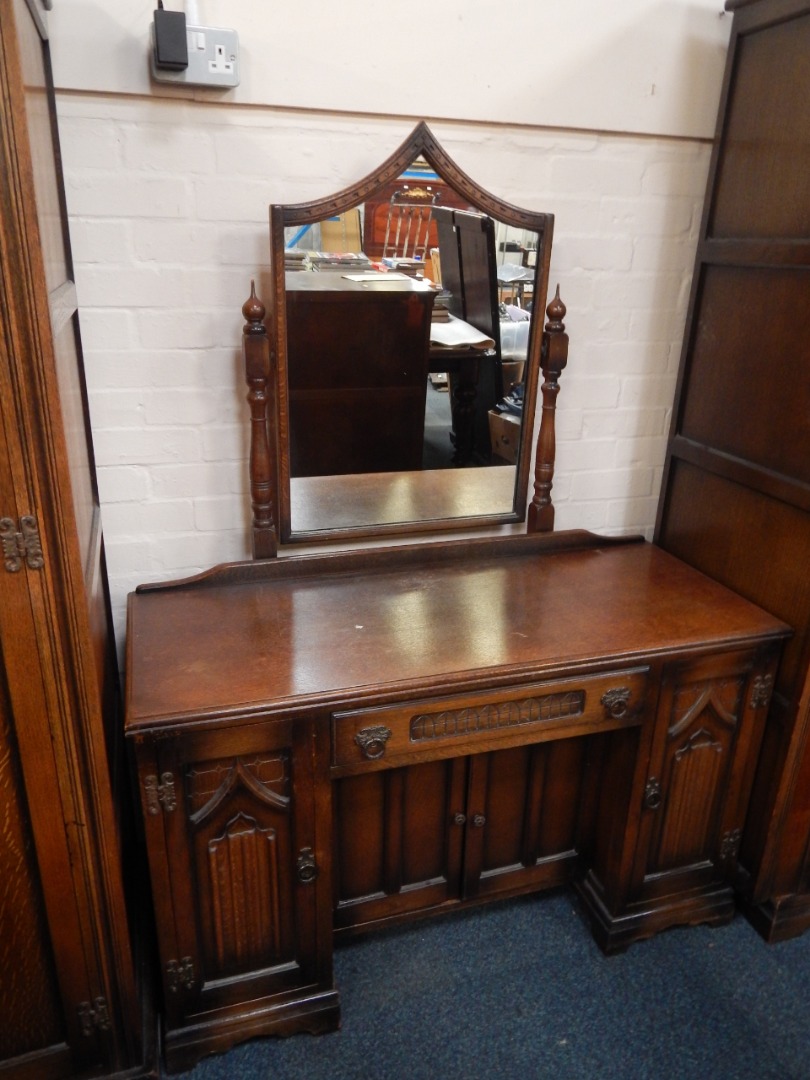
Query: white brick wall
[[168, 212]]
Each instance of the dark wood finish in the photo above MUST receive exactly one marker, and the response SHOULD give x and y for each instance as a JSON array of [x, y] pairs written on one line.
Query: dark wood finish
[[554, 357], [263, 450], [460, 721], [69, 991], [421, 143], [469, 273], [357, 368], [736, 493], [240, 870], [710, 719]]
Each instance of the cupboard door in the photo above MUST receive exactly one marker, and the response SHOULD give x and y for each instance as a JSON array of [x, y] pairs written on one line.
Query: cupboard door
[[440, 832], [522, 817], [240, 881], [709, 727], [398, 840]]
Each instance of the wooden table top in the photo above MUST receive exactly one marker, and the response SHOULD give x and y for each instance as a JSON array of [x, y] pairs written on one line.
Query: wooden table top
[[425, 619], [331, 285]]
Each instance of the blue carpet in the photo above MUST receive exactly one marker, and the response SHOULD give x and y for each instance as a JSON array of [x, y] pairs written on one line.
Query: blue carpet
[[518, 990]]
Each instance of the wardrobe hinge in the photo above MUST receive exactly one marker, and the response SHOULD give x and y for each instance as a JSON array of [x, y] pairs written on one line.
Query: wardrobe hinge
[[180, 974], [94, 1016], [159, 793], [21, 544]]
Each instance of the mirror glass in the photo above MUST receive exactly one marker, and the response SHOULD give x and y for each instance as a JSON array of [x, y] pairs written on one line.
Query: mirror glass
[[407, 321]]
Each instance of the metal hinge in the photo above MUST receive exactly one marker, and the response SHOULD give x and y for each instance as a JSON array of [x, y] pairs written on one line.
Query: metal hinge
[[21, 543], [94, 1017], [761, 691], [180, 974], [160, 793]]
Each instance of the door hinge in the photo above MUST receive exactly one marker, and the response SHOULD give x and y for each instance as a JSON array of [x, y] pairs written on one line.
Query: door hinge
[[159, 793], [21, 544], [94, 1016], [180, 974], [730, 845]]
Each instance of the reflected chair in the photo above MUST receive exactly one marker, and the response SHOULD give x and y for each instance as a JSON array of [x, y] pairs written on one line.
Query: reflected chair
[[408, 225]]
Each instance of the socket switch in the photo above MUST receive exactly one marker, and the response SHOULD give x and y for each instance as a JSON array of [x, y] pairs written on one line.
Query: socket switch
[[213, 59]]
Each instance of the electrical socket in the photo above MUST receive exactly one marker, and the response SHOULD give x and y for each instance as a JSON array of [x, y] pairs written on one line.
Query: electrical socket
[[213, 59], [222, 64]]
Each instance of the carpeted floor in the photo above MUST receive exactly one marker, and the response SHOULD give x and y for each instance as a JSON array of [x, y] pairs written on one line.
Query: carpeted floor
[[518, 991]]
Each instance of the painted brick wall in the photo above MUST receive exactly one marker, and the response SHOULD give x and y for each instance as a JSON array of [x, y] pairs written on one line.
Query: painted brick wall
[[168, 212]]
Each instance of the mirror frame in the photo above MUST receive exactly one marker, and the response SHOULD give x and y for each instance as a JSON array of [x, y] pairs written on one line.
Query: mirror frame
[[421, 143]]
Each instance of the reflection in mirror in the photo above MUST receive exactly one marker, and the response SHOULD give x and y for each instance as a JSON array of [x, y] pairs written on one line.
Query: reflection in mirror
[[407, 352]]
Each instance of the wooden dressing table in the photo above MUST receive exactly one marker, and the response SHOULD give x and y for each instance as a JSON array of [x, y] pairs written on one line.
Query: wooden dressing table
[[334, 742], [356, 739]]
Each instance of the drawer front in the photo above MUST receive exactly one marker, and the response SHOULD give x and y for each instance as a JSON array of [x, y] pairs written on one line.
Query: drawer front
[[447, 726]]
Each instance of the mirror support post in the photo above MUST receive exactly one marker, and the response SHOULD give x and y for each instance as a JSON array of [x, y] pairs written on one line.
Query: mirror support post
[[261, 399], [554, 357]]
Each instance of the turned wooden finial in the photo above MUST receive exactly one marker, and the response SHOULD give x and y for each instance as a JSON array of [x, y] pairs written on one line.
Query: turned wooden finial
[[555, 339], [553, 358], [253, 310], [263, 455], [556, 312]]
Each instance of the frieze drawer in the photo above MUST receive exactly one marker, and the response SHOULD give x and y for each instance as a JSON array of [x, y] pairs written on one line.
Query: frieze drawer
[[444, 727]]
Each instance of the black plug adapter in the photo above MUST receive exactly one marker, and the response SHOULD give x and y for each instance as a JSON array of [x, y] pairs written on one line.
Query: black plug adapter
[[171, 45]]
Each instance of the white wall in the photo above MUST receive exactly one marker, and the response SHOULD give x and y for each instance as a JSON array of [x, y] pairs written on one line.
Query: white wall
[[168, 192], [638, 65]]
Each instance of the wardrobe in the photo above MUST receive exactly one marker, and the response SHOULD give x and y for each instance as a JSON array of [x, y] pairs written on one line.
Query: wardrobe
[[70, 991]]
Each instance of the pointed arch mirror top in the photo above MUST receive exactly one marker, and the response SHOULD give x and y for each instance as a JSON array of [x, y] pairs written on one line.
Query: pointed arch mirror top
[[357, 370]]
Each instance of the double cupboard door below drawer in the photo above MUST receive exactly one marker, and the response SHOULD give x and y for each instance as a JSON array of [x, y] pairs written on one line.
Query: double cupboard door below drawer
[[439, 832]]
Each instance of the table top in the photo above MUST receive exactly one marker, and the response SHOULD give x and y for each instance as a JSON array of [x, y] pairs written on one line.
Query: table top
[[421, 619], [331, 285]]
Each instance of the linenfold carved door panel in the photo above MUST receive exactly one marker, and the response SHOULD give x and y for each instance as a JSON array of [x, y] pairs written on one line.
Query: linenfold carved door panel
[[237, 828], [696, 759], [711, 718]]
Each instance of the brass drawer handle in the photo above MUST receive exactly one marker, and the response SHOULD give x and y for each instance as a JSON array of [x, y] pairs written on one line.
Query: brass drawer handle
[[615, 702], [372, 740]]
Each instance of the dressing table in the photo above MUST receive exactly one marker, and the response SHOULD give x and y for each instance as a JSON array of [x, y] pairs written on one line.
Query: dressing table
[[342, 741]]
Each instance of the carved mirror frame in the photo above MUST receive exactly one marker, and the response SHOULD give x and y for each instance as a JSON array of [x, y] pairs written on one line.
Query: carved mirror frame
[[268, 390]]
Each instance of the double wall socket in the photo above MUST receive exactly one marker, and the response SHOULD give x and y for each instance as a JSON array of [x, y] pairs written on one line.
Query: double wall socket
[[213, 59]]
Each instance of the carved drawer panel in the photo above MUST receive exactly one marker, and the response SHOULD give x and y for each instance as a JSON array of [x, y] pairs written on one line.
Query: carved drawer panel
[[445, 727]]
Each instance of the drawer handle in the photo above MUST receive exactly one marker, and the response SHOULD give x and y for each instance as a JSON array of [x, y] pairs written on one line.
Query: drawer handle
[[306, 866], [459, 819], [652, 794], [615, 702], [372, 740], [479, 821]]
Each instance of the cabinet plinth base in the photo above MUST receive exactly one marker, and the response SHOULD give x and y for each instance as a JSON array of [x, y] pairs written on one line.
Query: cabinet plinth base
[[780, 919], [184, 1047], [714, 905]]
